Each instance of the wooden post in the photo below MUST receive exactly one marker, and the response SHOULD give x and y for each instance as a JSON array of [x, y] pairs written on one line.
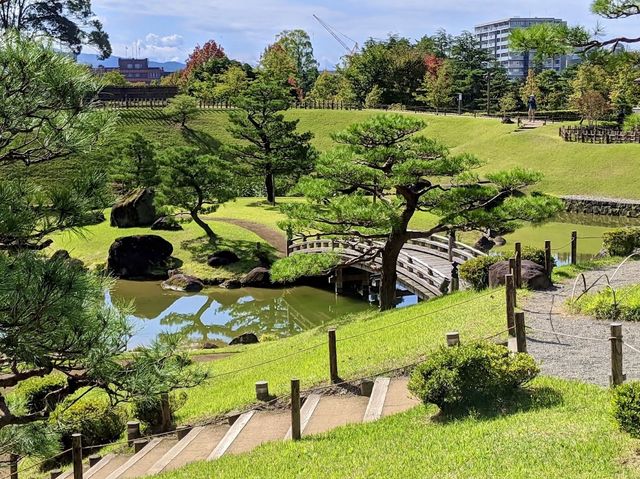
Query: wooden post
[[574, 247], [262, 391], [296, 433], [165, 407], [453, 339], [512, 270], [13, 466], [452, 244], [133, 432], [55, 473], [518, 276], [617, 376], [333, 356], [76, 454], [521, 333], [94, 459], [139, 445], [511, 306], [547, 258], [455, 278]]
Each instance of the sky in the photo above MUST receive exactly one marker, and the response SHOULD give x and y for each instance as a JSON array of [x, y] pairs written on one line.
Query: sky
[[168, 30]]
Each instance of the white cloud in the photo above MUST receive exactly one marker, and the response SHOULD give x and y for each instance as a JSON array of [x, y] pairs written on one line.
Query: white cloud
[[174, 40]]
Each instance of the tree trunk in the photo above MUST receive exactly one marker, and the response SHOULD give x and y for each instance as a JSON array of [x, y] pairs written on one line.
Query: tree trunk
[[207, 229], [270, 186], [389, 276]]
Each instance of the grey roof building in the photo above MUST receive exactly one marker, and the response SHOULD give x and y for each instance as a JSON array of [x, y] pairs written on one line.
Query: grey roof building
[[494, 37]]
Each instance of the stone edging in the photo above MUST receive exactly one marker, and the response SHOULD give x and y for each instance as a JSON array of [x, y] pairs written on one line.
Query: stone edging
[[602, 206]]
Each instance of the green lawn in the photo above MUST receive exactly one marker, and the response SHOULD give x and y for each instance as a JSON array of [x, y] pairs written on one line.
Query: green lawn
[[558, 430], [569, 168], [191, 247]]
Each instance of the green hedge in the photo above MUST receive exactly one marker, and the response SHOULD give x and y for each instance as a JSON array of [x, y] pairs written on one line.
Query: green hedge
[[471, 375], [34, 390], [626, 407], [621, 242]]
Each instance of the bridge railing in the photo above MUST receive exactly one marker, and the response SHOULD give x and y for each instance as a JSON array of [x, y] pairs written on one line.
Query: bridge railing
[[439, 245]]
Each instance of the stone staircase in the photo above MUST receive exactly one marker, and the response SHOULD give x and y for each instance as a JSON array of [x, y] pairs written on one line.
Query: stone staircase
[[319, 413]]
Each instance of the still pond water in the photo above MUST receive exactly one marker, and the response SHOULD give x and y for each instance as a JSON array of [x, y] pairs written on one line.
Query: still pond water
[[218, 315]]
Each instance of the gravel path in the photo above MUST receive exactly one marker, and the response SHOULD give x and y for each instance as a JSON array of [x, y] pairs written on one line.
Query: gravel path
[[581, 359]]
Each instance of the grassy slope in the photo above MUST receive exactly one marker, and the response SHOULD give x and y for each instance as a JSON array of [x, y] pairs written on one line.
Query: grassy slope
[[563, 429], [190, 246], [374, 352]]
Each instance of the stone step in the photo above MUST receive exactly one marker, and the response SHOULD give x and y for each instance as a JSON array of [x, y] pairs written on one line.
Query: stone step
[[139, 463], [377, 400], [264, 426], [106, 466], [196, 446], [336, 411], [398, 398]]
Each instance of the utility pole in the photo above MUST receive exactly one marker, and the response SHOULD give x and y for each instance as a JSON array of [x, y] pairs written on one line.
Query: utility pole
[[459, 103]]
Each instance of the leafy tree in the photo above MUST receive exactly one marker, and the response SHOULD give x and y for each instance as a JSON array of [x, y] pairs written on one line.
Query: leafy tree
[[195, 182], [114, 78], [592, 105], [53, 317], [546, 40], [508, 103], [371, 186], [297, 45], [181, 109], [530, 87], [472, 70], [590, 91], [374, 98], [326, 87], [201, 55], [136, 166], [277, 64], [231, 83], [437, 87], [71, 22], [270, 144]]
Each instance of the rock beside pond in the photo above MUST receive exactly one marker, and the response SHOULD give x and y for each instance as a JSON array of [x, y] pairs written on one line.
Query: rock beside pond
[[183, 283], [247, 338], [222, 258], [257, 277], [166, 224], [533, 275], [499, 241], [139, 257], [484, 244], [231, 284], [134, 210]]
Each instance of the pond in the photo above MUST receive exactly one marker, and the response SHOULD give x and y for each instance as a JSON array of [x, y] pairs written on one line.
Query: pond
[[217, 315]]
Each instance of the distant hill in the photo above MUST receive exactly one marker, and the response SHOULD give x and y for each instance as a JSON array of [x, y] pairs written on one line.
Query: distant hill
[[91, 59]]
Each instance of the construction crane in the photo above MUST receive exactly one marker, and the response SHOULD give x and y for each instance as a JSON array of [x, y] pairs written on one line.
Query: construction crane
[[339, 37]]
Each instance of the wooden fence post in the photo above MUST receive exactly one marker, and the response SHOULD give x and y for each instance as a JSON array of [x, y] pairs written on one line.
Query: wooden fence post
[[76, 454], [511, 306], [521, 333], [547, 258], [296, 433], [518, 275], [262, 391], [13, 466], [453, 339], [617, 376], [333, 357], [133, 432], [574, 247]]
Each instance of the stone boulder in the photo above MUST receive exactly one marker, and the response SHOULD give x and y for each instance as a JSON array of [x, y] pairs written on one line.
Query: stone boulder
[[533, 275], [258, 277], [139, 257], [183, 283], [499, 241], [231, 284], [134, 210], [246, 338], [484, 244], [222, 258], [166, 224]]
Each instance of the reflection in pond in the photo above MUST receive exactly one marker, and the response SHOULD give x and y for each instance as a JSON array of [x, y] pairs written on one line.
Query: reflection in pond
[[218, 315]]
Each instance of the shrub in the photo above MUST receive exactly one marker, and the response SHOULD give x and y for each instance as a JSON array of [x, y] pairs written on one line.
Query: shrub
[[622, 242], [602, 305], [471, 375], [92, 416], [476, 271], [34, 390], [536, 255], [626, 407], [149, 411], [632, 122]]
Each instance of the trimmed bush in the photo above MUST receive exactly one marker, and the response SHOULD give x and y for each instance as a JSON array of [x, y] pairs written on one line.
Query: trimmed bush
[[471, 375], [34, 390], [622, 242], [93, 416], [626, 407], [536, 255], [476, 271]]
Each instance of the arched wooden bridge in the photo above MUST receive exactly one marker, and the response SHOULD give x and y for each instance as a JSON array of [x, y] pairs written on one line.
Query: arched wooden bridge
[[424, 265]]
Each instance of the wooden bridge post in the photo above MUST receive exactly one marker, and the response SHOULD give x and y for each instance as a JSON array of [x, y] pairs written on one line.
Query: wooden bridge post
[[574, 247], [511, 304], [452, 244], [518, 274], [455, 278], [338, 285]]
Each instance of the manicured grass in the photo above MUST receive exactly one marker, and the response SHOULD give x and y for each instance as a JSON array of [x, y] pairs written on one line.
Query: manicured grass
[[191, 247], [619, 304], [558, 430], [373, 351], [569, 168]]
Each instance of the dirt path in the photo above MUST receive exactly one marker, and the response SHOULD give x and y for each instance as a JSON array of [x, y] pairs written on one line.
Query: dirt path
[[275, 238], [574, 358]]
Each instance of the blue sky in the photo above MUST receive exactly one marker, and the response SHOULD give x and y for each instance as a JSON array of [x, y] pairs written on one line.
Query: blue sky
[[169, 29]]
